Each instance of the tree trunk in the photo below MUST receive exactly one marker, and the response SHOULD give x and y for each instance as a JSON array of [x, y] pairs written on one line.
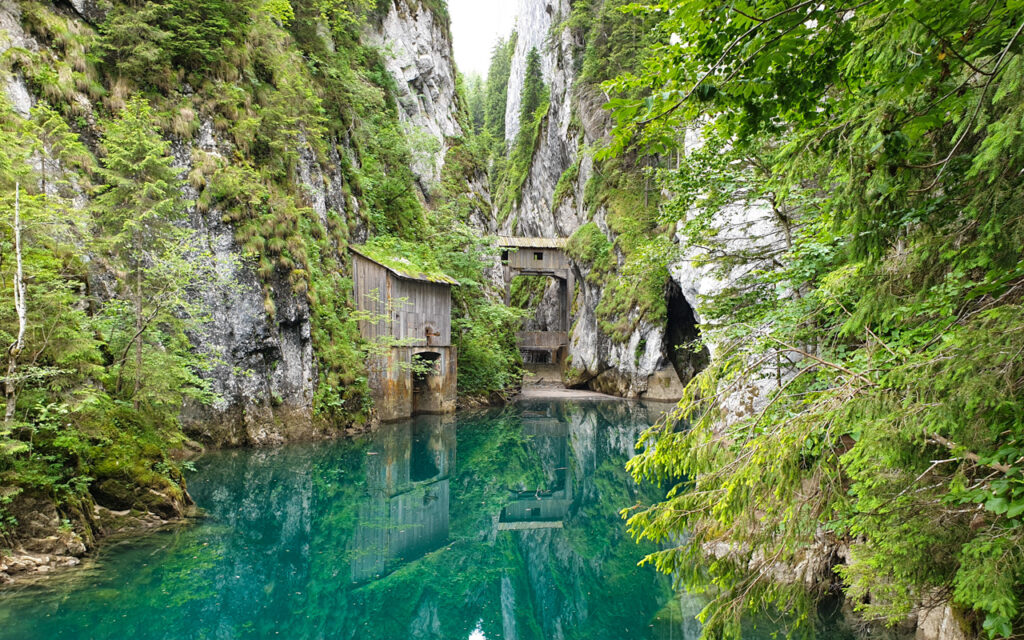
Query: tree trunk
[[138, 339], [10, 387]]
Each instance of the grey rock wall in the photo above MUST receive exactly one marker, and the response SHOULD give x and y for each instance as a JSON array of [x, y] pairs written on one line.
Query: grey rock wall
[[638, 367], [418, 53], [264, 368]]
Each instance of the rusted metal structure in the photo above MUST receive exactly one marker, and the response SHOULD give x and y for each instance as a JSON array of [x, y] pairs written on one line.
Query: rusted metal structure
[[407, 317], [541, 257]]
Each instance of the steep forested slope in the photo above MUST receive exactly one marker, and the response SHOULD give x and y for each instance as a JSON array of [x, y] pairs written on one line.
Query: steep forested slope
[[543, 112], [189, 176], [833, 192], [865, 394]]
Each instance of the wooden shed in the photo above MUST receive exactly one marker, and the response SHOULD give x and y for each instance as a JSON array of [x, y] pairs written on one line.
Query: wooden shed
[[406, 313], [534, 256]]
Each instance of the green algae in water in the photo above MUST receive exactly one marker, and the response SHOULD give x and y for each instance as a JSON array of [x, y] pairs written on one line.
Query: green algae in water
[[501, 524]]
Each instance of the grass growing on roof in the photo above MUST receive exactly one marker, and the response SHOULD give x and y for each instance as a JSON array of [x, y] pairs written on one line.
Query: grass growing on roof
[[409, 259]]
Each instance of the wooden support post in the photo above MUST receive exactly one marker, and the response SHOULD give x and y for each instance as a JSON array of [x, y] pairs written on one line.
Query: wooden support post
[[570, 291], [508, 285]]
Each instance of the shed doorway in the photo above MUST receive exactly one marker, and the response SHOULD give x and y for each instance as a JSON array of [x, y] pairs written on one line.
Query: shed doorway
[[424, 366]]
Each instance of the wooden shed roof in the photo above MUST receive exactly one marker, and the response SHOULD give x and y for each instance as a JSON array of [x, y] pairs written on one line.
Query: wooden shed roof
[[531, 243], [404, 268]]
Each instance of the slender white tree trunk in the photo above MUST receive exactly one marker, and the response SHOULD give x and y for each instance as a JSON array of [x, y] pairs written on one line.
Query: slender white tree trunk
[[19, 306], [138, 337]]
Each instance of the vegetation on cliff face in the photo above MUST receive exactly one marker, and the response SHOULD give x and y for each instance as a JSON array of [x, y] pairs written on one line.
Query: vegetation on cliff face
[[885, 140], [509, 164], [512, 169], [633, 275], [112, 278]]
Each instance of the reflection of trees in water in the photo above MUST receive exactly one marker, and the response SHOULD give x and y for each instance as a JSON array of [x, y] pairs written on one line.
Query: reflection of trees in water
[[395, 536], [577, 582]]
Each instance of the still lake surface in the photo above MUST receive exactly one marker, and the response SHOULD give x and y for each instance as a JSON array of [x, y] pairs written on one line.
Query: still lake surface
[[484, 525]]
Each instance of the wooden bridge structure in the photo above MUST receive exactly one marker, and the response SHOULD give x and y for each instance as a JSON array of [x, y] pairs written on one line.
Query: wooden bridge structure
[[547, 505], [541, 257]]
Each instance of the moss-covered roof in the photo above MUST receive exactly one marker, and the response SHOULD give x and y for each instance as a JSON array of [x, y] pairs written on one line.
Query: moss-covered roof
[[403, 267], [531, 243]]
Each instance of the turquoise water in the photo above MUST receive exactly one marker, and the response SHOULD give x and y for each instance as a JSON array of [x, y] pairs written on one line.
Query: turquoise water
[[490, 525]]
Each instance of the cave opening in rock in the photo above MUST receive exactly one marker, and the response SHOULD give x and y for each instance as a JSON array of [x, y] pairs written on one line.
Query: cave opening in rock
[[682, 333]]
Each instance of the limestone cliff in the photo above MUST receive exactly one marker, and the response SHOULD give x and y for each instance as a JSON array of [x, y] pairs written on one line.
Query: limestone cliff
[[268, 326], [555, 203], [266, 369], [418, 54]]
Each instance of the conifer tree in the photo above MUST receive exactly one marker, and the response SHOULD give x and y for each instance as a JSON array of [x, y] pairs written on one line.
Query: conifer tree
[[476, 98], [497, 86], [38, 155], [533, 89], [136, 209]]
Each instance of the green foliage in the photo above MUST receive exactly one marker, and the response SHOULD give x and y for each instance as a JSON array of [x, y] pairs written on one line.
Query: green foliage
[[510, 176], [282, 82], [497, 87], [566, 182], [146, 42], [533, 87], [634, 287], [615, 40], [281, 10], [409, 258], [526, 292], [64, 70], [483, 328], [343, 14], [883, 315], [141, 197], [476, 99], [136, 210], [66, 420], [590, 246]]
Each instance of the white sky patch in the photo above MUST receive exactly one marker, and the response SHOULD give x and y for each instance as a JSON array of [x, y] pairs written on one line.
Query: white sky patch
[[476, 27], [478, 633]]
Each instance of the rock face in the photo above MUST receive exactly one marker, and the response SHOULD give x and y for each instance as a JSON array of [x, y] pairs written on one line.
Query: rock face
[[640, 365], [418, 54], [44, 541], [265, 372], [939, 623], [12, 35], [534, 19], [264, 366], [265, 369]]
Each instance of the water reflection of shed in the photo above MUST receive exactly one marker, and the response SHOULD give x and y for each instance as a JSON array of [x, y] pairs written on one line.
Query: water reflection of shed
[[411, 312], [545, 506], [406, 513]]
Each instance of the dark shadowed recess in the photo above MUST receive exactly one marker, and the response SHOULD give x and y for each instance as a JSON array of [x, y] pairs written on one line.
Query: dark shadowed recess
[[688, 356]]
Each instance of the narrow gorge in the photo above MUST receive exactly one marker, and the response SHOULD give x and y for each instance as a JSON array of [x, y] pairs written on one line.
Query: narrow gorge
[[244, 230]]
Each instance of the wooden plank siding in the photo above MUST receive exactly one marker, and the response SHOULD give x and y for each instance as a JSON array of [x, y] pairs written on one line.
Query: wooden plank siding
[[537, 259], [413, 305], [421, 305], [370, 287]]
